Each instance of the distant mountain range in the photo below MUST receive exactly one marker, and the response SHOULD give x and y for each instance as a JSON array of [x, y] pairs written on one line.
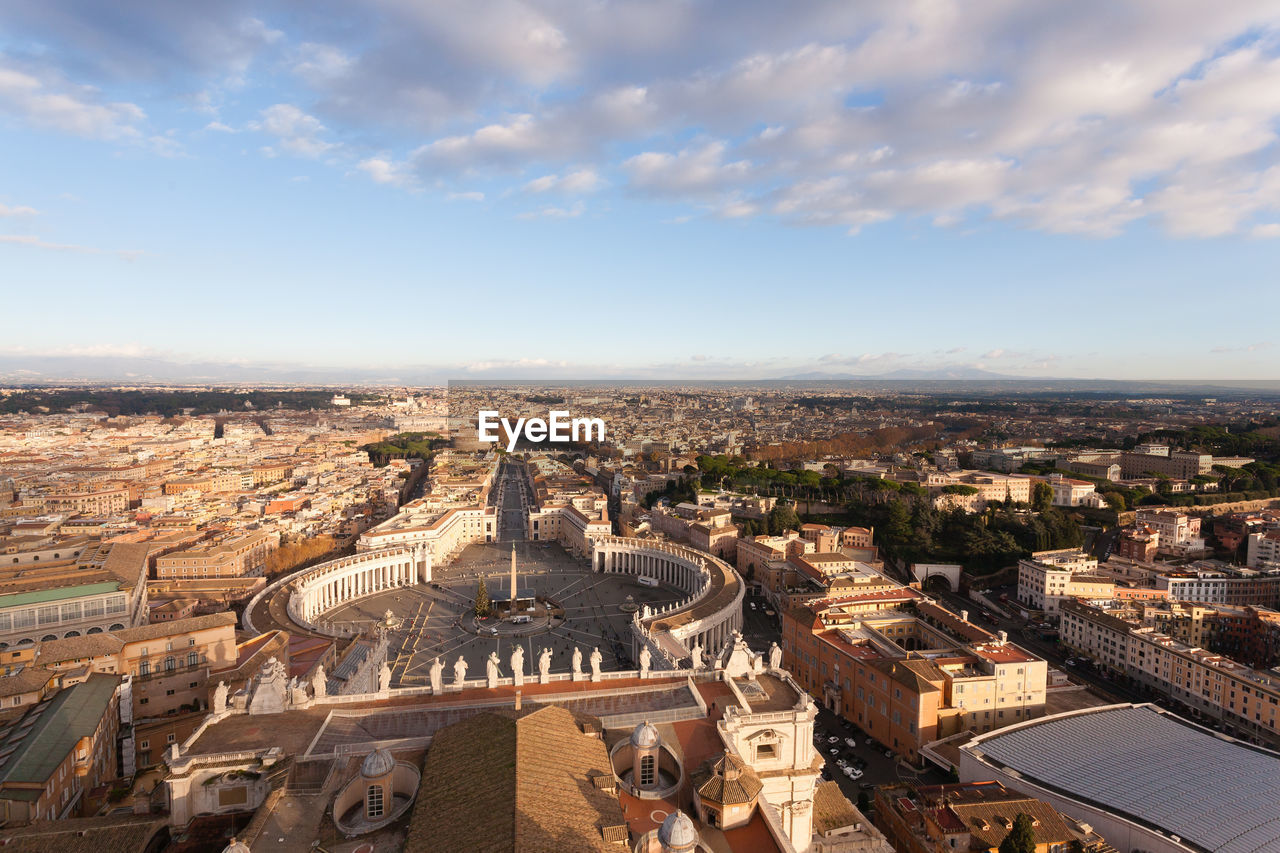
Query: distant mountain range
[[127, 370], [910, 373]]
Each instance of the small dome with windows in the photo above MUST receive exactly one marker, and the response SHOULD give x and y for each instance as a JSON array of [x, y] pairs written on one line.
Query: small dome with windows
[[236, 847]]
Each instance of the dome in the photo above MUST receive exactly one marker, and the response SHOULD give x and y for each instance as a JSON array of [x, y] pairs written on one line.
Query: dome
[[236, 847], [380, 762], [678, 832], [645, 736]]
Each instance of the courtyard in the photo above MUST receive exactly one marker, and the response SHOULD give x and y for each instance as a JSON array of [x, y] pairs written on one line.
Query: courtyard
[[435, 619]]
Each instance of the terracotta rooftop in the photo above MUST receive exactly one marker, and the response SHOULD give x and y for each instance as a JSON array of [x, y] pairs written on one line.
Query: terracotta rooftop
[[515, 780]]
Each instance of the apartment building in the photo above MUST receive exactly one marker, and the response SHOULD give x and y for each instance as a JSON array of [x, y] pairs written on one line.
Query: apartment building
[[945, 488], [1161, 460], [206, 483], [1069, 492], [170, 662], [1175, 528], [59, 749], [1264, 550], [1213, 582], [972, 816], [1050, 577], [904, 672], [1245, 699], [103, 588], [857, 537], [1105, 470], [96, 502], [237, 556]]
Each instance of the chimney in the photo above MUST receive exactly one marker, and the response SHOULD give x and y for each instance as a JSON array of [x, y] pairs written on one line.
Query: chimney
[[964, 615], [1004, 637], [518, 700]]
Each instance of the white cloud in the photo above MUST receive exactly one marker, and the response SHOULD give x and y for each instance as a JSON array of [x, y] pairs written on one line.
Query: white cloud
[[571, 183], [38, 243], [220, 127], [692, 171], [17, 210], [383, 171], [466, 196], [555, 212], [1078, 118], [67, 109], [298, 133], [1266, 230]]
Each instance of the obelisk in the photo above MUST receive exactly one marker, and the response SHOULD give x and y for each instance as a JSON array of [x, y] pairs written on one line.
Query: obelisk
[[513, 578]]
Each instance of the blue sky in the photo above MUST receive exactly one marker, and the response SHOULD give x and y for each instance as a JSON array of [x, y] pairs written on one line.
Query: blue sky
[[668, 189]]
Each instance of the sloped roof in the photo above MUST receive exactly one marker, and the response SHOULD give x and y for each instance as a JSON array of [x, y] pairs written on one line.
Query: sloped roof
[[726, 780], [832, 809], [44, 735], [119, 834], [514, 780]]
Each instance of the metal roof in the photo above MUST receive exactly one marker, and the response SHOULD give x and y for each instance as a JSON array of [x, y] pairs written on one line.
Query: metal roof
[[18, 599], [42, 738], [1214, 793]]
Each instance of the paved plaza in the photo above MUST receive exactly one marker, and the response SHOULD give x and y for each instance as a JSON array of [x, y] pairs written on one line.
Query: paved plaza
[[436, 617]]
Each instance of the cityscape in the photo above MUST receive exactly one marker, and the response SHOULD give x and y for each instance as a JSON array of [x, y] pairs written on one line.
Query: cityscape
[[639, 427]]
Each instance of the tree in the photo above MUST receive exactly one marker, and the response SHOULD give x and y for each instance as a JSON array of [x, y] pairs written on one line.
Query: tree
[[1021, 838], [783, 518], [483, 606], [1042, 496]]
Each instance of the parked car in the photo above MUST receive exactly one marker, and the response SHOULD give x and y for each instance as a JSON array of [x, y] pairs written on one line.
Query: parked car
[[888, 753], [833, 739], [833, 751], [851, 742], [870, 741]]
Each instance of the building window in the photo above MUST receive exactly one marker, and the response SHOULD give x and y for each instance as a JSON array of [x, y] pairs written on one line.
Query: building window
[[646, 770], [373, 801], [170, 738]]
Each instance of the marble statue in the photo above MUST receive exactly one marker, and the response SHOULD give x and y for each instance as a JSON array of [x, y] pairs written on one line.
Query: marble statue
[[517, 665], [696, 656], [544, 666], [596, 659], [269, 690], [220, 697], [577, 663], [491, 670], [459, 672], [384, 678], [297, 692], [437, 676], [775, 656], [319, 682], [646, 660]]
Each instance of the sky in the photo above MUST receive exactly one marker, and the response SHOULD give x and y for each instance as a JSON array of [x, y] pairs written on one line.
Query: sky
[[668, 188]]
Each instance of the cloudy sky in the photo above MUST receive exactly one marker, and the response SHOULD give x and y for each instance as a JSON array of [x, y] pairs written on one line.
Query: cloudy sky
[[736, 189]]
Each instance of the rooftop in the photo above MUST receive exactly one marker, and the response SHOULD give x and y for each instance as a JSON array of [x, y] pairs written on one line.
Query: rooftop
[[1214, 792]]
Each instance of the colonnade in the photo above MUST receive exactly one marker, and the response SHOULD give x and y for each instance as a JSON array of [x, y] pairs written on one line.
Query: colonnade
[[337, 582], [686, 569]]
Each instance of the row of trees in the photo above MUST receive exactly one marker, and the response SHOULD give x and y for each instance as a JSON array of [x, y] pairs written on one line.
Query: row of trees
[[404, 445], [295, 554]]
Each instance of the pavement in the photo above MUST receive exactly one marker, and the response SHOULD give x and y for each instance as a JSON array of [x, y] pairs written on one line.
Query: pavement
[[879, 769], [432, 613]]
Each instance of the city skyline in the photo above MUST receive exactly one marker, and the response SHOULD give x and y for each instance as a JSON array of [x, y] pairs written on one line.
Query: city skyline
[[818, 192]]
